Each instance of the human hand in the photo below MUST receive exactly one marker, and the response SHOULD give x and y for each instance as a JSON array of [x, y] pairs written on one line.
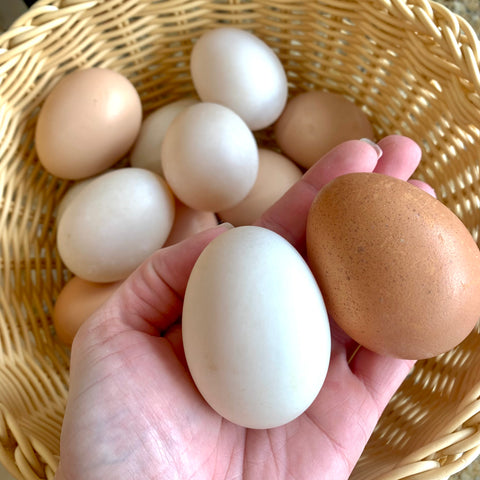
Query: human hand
[[133, 410]]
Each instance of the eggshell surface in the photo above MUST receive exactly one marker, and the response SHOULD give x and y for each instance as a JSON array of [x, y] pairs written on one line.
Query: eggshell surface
[[314, 122], [236, 69], [276, 174], [255, 329], [209, 157], [146, 152], [72, 192], [77, 301], [114, 223], [188, 222], [87, 123], [399, 271]]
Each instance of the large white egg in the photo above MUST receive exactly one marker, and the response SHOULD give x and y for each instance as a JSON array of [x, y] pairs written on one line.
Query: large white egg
[[146, 152], [235, 68], [209, 157], [255, 330], [114, 223]]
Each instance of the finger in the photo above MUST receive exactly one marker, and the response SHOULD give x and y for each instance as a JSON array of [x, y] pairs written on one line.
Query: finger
[[288, 216], [423, 186], [381, 375], [150, 300], [174, 337], [401, 156], [342, 344]]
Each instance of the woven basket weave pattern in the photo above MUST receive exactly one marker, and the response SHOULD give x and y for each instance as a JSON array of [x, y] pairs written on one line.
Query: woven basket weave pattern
[[413, 66]]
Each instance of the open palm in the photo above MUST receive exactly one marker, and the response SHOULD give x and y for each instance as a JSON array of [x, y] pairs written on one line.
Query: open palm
[[134, 413]]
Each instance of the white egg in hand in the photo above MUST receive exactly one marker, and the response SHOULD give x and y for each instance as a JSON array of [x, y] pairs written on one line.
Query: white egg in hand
[[114, 223], [209, 157], [255, 329], [235, 68]]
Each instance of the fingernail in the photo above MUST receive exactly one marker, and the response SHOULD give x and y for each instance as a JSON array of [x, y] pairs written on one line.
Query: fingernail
[[226, 225], [374, 146]]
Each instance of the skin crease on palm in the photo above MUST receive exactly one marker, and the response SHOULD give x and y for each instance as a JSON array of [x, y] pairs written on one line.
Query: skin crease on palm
[[133, 411]]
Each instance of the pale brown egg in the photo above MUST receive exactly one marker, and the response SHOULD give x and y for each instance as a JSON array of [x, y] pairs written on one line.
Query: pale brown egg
[[188, 222], [399, 271], [314, 122], [87, 123], [77, 301], [276, 174]]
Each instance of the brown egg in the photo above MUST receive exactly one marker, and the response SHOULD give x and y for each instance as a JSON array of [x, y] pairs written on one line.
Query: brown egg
[[314, 122], [276, 174], [188, 222], [399, 271], [88, 122], [76, 303]]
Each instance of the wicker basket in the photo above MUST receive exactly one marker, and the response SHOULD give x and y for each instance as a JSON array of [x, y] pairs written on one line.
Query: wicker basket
[[412, 65]]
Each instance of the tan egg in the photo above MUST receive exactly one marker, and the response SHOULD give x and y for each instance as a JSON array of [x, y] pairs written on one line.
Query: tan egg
[[398, 270], [77, 301], [146, 152], [276, 174], [188, 222], [314, 122], [88, 122]]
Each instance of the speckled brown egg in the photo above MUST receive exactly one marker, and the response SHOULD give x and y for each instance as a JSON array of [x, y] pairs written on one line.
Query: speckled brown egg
[[399, 271]]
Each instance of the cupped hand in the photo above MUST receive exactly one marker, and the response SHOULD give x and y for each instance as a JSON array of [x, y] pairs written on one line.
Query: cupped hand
[[133, 411]]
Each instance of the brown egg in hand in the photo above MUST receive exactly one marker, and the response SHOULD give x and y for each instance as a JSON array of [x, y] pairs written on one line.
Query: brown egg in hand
[[399, 271]]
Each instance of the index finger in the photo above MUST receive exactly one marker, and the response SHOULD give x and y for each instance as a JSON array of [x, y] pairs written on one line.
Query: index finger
[[288, 216]]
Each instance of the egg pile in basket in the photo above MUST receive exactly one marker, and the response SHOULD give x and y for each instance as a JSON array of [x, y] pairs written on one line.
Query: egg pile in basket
[[413, 65]]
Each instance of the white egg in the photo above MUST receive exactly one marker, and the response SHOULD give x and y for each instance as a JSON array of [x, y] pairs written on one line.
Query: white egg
[[255, 329], [73, 191], [236, 69], [146, 152], [114, 223], [70, 194], [209, 157]]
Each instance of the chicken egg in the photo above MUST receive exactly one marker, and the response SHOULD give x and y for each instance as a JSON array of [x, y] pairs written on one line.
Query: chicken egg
[[209, 157], [146, 152], [255, 330], [114, 223], [399, 271], [316, 121], [276, 174], [87, 123], [236, 69], [188, 222], [76, 302]]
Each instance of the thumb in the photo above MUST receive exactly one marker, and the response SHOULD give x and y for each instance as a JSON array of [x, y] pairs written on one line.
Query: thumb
[[150, 300]]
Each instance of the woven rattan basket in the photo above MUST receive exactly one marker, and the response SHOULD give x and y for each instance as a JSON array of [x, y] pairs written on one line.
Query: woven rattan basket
[[412, 65]]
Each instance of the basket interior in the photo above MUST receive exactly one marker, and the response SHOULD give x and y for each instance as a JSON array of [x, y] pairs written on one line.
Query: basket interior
[[412, 67]]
